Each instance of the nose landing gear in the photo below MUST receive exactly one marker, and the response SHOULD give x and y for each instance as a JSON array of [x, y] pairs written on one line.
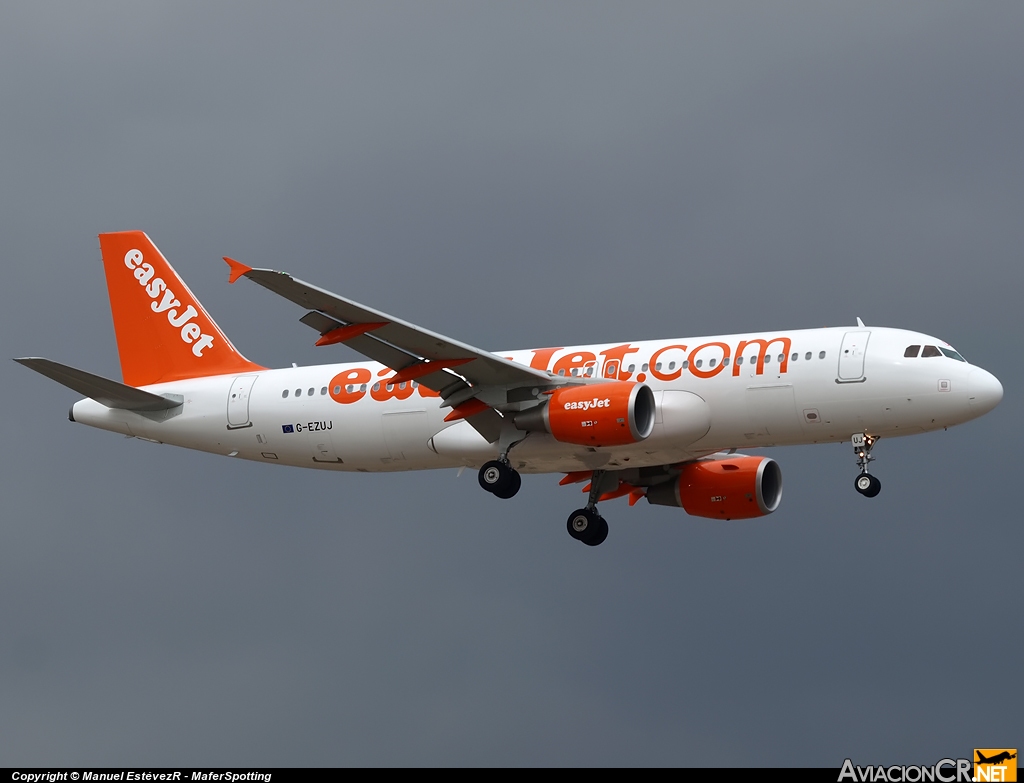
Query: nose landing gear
[[865, 483]]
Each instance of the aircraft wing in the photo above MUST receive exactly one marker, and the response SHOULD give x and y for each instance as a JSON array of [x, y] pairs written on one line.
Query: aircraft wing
[[456, 370]]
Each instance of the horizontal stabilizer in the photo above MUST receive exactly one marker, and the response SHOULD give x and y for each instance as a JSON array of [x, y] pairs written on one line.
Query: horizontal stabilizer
[[105, 391]]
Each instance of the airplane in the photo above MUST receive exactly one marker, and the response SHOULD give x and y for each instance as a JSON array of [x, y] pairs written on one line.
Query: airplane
[[996, 759], [664, 420]]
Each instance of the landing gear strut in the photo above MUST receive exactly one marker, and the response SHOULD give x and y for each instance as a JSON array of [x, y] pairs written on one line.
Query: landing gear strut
[[865, 483], [585, 524], [498, 476]]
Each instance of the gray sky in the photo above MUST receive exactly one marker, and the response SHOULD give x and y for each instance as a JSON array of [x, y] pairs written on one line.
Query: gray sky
[[513, 175]]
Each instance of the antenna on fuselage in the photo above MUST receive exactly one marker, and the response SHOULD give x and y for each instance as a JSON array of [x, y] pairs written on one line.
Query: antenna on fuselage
[[860, 323]]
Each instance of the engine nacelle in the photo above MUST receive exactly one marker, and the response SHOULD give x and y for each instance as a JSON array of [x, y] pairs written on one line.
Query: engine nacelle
[[732, 488], [597, 414]]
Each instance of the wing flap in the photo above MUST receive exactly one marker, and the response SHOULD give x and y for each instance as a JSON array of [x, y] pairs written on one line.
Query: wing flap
[[487, 423]]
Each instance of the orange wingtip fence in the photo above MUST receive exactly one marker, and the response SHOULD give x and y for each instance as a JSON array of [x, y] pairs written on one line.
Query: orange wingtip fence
[[238, 269]]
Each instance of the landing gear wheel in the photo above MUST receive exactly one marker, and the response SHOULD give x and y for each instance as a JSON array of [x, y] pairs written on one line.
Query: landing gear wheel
[[580, 522], [515, 482], [499, 479], [599, 535], [867, 485], [588, 526]]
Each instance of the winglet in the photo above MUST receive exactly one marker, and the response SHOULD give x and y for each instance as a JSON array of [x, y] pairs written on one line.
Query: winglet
[[238, 269]]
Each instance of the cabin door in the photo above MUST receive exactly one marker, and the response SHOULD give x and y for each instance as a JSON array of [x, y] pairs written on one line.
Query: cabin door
[[238, 402], [851, 357]]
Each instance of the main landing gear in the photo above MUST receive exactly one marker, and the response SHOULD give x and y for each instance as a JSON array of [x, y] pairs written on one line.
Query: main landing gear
[[865, 483], [500, 479], [498, 476], [585, 524]]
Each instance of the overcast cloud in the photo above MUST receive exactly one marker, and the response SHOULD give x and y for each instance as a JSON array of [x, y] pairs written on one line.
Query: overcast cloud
[[513, 175]]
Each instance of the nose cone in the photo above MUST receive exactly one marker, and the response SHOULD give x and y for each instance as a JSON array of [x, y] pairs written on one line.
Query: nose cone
[[984, 391]]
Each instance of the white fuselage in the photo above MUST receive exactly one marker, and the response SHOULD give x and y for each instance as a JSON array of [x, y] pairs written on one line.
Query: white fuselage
[[831, 383]]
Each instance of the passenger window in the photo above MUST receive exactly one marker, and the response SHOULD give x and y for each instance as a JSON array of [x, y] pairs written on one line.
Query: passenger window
[[929, 351], [631, 368], [644, 367], [686, 364], [712, 363], [337, 390], [658, 367], [311, 392], [349, 388], [821, 355], [562, 371], [767, 359], [782, 357], [402, 385], [671, 365], [739, 360], [298, 392], [284, 393], [323, 391], [362, 388], [700, 362], [376, 386], [794, 357], [725, 362], [912, 351], [807, 356]]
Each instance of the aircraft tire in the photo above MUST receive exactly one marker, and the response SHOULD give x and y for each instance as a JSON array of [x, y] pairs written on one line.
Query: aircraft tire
[[495, 477], [514, 483], [583, 523], [867, 485], [599, 534]]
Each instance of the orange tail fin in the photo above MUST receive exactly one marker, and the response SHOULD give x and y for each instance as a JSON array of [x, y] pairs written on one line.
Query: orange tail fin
[[163, 333]]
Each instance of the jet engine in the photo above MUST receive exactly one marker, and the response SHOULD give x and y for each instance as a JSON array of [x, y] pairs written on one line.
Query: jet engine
[[731, 488], [598, 414]]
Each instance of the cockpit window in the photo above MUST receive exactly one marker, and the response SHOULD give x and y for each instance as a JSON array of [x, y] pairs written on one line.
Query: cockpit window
[[912, 351], [930, 350], [952, 354]]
